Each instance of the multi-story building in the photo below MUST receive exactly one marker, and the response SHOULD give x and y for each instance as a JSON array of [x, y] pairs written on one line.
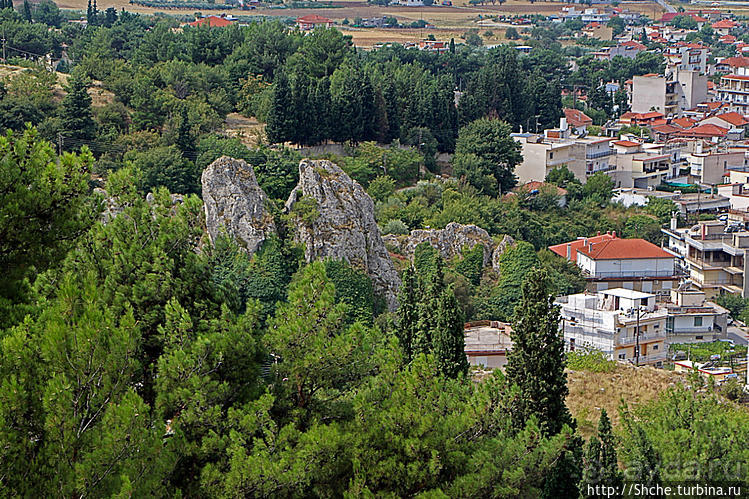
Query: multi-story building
[[715, 260], [609, 262], [688, 56], [616, 322], [734, 90], [583, 156], [669, 94], [691, 318], [712, 167]]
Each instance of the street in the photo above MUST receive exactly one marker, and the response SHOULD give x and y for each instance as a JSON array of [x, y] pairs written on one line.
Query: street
[[737, 335]]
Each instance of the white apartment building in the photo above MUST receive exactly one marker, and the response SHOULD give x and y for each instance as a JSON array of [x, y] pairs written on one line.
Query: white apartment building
[[691, 318], [671, 94], [616, 321], [734, 90]]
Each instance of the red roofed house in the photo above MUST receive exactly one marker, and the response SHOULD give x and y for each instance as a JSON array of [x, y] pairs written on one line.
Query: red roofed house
[[577, 120], [640, 119], [608, 262], [312, 21], [628, 49], [727, 120], [212, 22], [729, 64], [708, 131], [724, 27]]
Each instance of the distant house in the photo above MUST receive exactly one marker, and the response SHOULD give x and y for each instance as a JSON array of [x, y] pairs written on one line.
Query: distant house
[[312, 21], [487, 343], [535, 187], [727, 120], [724, 27], [577, 120], [213, 22], [628, 49]]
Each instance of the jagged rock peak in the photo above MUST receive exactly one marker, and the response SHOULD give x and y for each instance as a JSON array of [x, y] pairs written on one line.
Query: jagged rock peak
[[234, 202], [335, 218], [449, 241]]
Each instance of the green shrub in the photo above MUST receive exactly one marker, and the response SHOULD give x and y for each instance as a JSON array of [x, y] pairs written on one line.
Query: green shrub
[[592, 361]]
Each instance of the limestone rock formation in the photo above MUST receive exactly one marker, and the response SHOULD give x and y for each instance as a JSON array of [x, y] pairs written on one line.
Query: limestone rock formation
[[503, 246], [234, 202], [450, 241], [334, 218]]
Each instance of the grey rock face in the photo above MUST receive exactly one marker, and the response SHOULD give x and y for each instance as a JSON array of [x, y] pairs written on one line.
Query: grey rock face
[[334, 218], [234, 202], [503, 246], [451, 240]]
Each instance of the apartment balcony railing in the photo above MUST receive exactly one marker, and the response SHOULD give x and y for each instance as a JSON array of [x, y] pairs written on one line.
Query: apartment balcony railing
[[631, 340], [653, 358], [631, 274], [598, 154], [690, 330]]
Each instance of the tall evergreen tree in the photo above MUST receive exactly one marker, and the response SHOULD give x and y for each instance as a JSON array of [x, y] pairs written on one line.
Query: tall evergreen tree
[[76, 118], [536, 362], [280, 124], [610, 474], [433, 285], [591, 470], [89, 13], [448, 339], [408, 312], [27, 10]]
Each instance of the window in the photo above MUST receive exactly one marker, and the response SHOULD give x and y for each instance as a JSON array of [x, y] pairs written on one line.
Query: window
[[698, 337], [551, 155], [655, 347], [622, 356], [697, 321], [572, 344]]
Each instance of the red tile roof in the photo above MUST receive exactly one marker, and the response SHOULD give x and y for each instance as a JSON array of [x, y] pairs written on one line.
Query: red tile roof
[[634, 44], [313, 19], [577, 118], [706, 130], [561, 249], [213, 22], [733, 118], [626, 143], [535, 184], [725, 23], [683, 122], [622, 249], [666, 129]]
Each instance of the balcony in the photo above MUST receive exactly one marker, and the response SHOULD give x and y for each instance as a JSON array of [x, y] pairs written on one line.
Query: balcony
[[632, 274], [653, 358], [644, 338], [598, 154]]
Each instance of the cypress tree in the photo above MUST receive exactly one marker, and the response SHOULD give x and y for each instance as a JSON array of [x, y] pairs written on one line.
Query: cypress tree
[[184, 140], [27, 10], [448, 339], [609, 468], [452, 45], [280, 125], [536, 362], [433, 285], [591, 469], [323, 111], [89, 13], [408, 312]]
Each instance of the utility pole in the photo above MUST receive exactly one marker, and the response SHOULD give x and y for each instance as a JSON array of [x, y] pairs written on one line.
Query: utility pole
[[637, 339]]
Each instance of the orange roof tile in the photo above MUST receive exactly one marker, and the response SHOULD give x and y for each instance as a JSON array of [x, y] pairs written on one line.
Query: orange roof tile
[[622, 249], [733, 118], [626, 143], [561, 249], [577, 118], [213, 22]]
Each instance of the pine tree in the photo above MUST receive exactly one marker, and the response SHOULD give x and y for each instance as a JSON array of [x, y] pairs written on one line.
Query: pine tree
[[408, 312], [75, 115], [184, 140], [609, 468], [27, 10], [280, 125], [591, 469], [645, 457], [564, 475], [536, 362], [448, 339]]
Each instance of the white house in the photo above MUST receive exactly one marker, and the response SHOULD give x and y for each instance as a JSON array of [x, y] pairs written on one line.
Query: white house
[[616, 322]]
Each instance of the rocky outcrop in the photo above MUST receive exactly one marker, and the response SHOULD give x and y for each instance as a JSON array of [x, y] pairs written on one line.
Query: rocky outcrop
[[334, 218], [451, 240], [234, 202], [503, 246]]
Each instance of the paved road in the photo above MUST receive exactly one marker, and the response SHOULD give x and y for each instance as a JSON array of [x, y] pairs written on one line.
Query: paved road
[[666, 6], [737, 335]]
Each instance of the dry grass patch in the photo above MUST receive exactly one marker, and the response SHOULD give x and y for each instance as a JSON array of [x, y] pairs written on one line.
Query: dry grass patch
[[590, 392], [247, 130]]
